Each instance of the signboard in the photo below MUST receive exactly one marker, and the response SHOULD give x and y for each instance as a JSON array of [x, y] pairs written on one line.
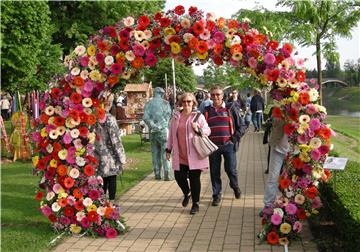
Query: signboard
[[335, 163]]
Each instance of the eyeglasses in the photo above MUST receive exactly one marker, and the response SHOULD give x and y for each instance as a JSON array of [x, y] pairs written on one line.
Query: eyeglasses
[[234, 92], [187, 101], [218, 94]]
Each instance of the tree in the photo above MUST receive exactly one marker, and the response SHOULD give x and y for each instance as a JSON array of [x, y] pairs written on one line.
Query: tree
[[352, 72], [185, 78], [76, 20], [318, 22], [29, 58]]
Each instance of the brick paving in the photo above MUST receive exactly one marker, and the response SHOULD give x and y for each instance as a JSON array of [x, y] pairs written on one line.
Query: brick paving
[[158, 222]]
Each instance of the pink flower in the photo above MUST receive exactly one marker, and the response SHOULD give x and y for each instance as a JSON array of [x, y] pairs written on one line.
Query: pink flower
[[314, 124], [269, 59], [315, 154], [67, 138], [324, 149], [316, 203], [64, 220], [36, 136], [291, 208], [94, 195], [297, 227], [311, 109], [85, 222], [150, 60], [276, 219], [46, 210], [88, 86], [302, 139], [252, 62], [84, 61], [205, 35], [138, 50], [99, 57], [116, 68], [111, 233], [218, 37]]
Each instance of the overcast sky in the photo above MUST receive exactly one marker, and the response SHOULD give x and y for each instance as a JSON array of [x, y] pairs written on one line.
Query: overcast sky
[[349, 49]]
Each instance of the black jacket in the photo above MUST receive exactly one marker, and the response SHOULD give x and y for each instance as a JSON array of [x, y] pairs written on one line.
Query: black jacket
[[257, 103]]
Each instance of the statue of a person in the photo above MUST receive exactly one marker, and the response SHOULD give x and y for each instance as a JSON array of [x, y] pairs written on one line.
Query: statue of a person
[[157, 114]]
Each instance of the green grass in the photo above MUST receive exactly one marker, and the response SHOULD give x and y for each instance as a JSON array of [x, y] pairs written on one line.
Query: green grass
[[23, 227]]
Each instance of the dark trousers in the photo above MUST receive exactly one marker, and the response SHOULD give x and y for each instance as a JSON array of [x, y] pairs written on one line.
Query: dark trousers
[[110, 185], [194, 177], [229, 154], [5, 114]]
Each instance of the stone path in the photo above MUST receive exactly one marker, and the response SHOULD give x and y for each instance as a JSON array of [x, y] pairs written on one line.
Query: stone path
[[158, 222]]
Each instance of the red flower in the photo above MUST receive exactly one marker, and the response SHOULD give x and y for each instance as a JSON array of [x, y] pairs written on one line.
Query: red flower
[[95, 102], [102, 45], [124, 44], [301, 214], [76, 98], [89, 170], [248, 39], [276, 113], [157, 16], [59, 121], [304, 98], [202, 47], [39, 196], [297, 163], [272, 75], [77, 193], [273, 44], [233, 24], [179, 10], [279, 58], [324, 149], [92, 216], [324, 133], [193, 43], [91, 159], [165, 22], [83, 117], [156, 32], [218, 49], [210, 25], [137, 62], [272, 238], [79, 205], [311, 192], [156, 43], [186, 52], [192, 10], [111, 233], [287, 48], [198, 28], [83, 131], [284, 183], [91, 119], [69, 211], [235, 49], [175, 38], [300, 76], [100, 113], [218, 60], [44, 118], [78, 81], [144, 21], [57, 146], [294, 114], [111, 31], [68, 182], [55, 93], [42, 164], [52, 218]]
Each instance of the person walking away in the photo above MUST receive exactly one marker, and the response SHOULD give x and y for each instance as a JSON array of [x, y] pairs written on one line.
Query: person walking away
[[257, 107], [247, 110], [206, 103], [185, 161], [279, 148], [236, 101], [109, 151], [5, 106], [225, 133]]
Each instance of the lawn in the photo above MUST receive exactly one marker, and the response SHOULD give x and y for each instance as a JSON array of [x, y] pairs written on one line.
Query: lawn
[[23, 228]]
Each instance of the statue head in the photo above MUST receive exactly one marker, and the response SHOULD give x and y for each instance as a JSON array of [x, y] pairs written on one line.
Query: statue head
[[159, 92]]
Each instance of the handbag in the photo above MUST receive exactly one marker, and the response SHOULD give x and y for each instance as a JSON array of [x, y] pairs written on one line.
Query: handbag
[[203, 145]]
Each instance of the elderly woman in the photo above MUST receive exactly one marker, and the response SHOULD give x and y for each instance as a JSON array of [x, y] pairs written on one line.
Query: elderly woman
[[185, 160], [109, 151]]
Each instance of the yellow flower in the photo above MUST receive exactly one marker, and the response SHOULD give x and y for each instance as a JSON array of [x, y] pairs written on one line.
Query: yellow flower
[[175, 48], [283, 241], [91, 50], [120, 55], [202, 55], [92, 137], [230, 33], [228, 43], [263, 79], [170, 31], [75, 229], [285, 228], [80, 152], [43, 132], [95, 75], [62, 154], [308, 214], [304, 157], [250, 71], [237, 56], [91, 208], [35, 160], [304, 147], [126, 75], [281, 82], [53, 163], [62, 195], [69, 123]]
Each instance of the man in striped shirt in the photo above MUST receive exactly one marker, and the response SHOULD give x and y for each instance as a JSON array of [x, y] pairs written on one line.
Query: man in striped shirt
[[225, 133]]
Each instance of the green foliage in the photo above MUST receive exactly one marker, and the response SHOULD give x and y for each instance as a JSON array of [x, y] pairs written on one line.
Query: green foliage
[[351, 74], [28, 57], [338, 99], [76, 20], [185, 78], [342, 204]]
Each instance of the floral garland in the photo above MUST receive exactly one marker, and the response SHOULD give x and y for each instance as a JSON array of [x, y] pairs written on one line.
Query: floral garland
[[71, 195]]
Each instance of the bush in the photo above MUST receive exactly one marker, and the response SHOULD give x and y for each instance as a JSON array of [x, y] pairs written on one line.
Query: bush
[[342, 204]]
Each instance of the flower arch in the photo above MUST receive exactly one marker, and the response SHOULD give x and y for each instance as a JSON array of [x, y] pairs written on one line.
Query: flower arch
[[71, 195]]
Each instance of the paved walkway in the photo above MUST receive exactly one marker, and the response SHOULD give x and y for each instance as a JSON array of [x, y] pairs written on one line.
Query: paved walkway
[[158, 222]]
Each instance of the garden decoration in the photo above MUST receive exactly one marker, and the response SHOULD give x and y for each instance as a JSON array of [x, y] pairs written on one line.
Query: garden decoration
[[70, 194]]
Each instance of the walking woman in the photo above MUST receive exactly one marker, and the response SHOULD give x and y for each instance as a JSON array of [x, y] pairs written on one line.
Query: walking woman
[[185, 160]]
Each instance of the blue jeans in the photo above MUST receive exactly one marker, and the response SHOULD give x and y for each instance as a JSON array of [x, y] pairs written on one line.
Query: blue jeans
[[272, 184], [257, 120], [229, 154]]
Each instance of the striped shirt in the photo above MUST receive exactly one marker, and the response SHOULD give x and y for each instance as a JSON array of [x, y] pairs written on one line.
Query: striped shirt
[[220, 123]]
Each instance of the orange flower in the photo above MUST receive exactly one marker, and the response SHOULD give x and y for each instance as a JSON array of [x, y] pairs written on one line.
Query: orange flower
[[260, 38], [76, 98], [102, 45], [108, 212], [311, 192], [221, 22], [198, 28], [272, 238], [78, 81], [202, 47], [44, 118], [61, 170], [89, 170], [192, 43], [100, 113], [300, 76], [137, 62], [304, 98], [287, 48], [68, 182], [62, 202], [324, 133], [235, 49], [77, 193], [91, 119], [218, 49], [233, 24], [112, 79], [284, 183]]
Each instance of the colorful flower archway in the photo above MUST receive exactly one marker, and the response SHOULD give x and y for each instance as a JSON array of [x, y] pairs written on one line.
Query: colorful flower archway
[[71, 195]]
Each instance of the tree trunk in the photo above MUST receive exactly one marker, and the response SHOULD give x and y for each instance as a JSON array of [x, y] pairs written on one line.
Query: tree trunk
[[319, 73]]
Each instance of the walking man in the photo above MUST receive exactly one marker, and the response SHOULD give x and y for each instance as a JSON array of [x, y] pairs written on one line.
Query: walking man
[[225, 133], [257, 107]]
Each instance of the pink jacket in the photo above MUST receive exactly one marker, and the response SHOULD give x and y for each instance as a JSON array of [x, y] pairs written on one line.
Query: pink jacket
[[195, 162]]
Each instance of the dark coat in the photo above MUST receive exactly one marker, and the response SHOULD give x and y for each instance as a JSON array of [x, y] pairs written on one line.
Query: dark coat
[[257, 103]]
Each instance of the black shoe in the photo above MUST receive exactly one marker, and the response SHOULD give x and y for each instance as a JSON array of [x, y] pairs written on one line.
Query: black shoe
[[185, 201], [216, 201], [237, 193], [266, 171], [157, 177], [194, 208]]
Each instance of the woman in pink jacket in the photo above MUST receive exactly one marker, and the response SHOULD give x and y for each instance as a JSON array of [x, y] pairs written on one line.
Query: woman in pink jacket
[[185, 160]]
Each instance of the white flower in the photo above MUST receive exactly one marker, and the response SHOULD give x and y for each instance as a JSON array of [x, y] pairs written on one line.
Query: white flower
[[55, 207], [130, 56], [87, 102], [61, 130], [211, 16], [80, 161], [299, 199], [62, 154], [80, 216], [148, 34], [109, 60], [74, 133], [185, 23], [87, 111], [187, 37], [77, 143], [139, 35], [49, 148], [49, 110], [289, 194], [87, 202], [53, 134], [314, 95], [74, 173], [321, 108], [279, 211], [58, 110], [80, 50], [50, 196], [92, 137], [84, 74], [304, 119], [75, 71], [315, 143], [101, 211], [129, 21]]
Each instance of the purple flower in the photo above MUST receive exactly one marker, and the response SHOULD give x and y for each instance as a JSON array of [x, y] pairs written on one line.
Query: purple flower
[[291, 208], [276, 219]]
